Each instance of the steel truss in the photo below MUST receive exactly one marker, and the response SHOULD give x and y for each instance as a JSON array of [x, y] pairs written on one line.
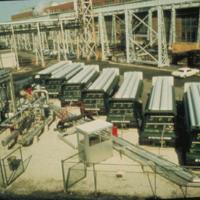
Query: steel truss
[[68, 38], [103, 37], [87, 39], [137, 51]]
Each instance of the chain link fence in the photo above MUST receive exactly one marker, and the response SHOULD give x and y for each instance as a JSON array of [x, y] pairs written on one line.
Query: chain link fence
[[11, 167], [120, 179]]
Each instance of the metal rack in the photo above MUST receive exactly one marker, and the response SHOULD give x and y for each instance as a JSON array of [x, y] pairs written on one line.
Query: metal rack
[[72, 89], [62, 75], [159, 118], [95, 98], [42, 76], [125, 105], [191, 101]]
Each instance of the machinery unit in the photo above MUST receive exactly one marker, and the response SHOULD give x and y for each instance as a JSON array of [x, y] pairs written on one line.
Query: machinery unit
[[60, 77], [94, 141], [159, 118], [7, 94], [191, 101], [42, 76], [72, 89], [125, 106], [96, 97]]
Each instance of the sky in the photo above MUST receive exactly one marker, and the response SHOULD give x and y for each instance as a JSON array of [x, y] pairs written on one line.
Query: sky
[[8, 8]]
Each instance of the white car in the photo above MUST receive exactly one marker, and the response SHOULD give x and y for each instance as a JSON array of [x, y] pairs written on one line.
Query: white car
[[185, 72]]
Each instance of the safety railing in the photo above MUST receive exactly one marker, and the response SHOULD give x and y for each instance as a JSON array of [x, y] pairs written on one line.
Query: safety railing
[[12, 166], [121, 179]]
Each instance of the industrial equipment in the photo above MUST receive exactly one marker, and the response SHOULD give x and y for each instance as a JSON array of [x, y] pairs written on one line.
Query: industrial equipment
[[125, 106], [7, 95], [29, 120], [159, 119], [55, 82], [72, 89], [94, 141], [96, 97], [42, 76], [191, 101]]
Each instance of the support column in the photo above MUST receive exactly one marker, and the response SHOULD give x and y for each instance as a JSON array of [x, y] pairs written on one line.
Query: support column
[[127, 29], [15, 47], [114, 30], [172, 38], [63, 40], [198, 33], [150, 23], [101, 36], [40, 45], [163, 59]]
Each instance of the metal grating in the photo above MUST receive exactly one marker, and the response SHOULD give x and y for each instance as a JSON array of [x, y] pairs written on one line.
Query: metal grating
[[129, 87], [161, 98], [83, 76], [105, 79], [193, 98]]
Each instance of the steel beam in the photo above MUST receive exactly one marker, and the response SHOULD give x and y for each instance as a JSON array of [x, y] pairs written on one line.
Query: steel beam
[[198, 33], [14, 44], [103, 37], [163, 59], [172, 38], [147, 4]]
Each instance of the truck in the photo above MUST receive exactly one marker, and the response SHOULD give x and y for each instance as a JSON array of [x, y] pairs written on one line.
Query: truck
[[160, 114]]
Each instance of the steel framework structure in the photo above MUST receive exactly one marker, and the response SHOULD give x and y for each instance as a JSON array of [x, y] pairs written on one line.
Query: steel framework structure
[[68, 38]]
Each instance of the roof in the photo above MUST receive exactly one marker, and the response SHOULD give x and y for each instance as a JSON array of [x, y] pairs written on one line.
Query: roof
[[193, 98], [129, 87], [67, 71], [85, 75], [93, 126], [162, 97], [53, 68], [106, 78]]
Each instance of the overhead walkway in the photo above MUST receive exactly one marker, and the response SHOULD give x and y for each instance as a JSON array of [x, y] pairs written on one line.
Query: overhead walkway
[[174, 173]]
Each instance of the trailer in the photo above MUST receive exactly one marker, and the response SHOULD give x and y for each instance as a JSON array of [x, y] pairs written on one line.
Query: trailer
[[61, 76], [72, 89], [125, 106], [96, 97], [191, 101], [42, 76], [159, 118]]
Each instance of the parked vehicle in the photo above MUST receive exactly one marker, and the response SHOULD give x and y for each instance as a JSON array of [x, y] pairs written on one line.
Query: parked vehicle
[[185, 72]]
